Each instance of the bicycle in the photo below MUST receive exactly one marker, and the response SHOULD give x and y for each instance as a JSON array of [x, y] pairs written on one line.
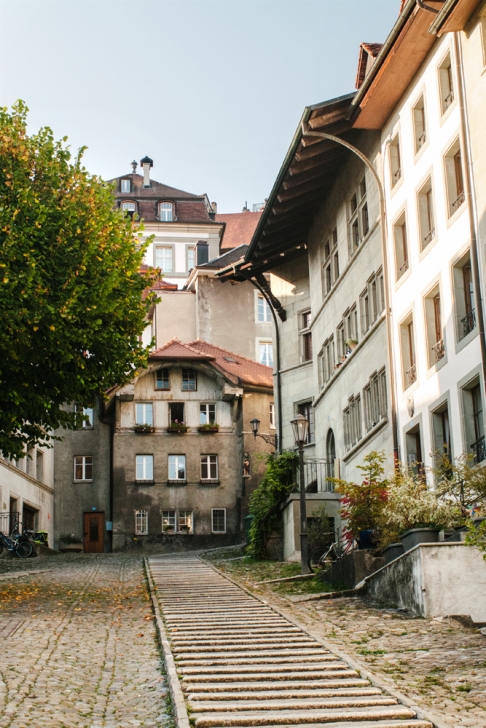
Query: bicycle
[[321, 559], [23, 548]]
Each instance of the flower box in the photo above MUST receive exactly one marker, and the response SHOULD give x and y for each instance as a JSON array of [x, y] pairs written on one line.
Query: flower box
[[178, 428], [143, 428], [208, 428]]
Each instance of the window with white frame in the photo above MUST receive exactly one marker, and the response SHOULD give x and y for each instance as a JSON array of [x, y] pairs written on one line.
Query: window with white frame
[[39, 466], [265, 353], [395, 160], [425, 201], [190, 257], [87, 414], [306, 410], [218, 520], [83, 467], [473, 419], [419, 124], [352, 422], [169, 521], [364, 305], [446, 84], [401, 246], [189, 380], [141, 523], [125, 185], [305, 319], [358, 217], [209, 467], [272, 415], [162, 380], [327, 361], [454, 178], [164, 258], [186, 521], [351, 327], [144, 413], [166, 212], [177, 467], [207, 414], [264, 313], [129, 207], [464, 298], [144, 467], [433, 326], [374, 395], [409, 366]]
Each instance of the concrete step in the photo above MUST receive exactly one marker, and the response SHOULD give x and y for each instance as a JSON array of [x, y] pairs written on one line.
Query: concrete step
[[402, 723], [278, 672], [231, 706], [256, 661], [237, 688], [283, 693], [299, 717], [242, 645], [232, 632]]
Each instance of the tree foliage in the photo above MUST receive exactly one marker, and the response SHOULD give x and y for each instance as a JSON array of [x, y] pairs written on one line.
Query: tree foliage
[[266, 499], [70, 288]]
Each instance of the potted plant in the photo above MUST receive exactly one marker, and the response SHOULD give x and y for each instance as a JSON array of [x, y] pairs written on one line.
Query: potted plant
[[168, 529], [351, 343], [143, 427], [184, 529], [417, 512], [208, 427], [70, 544], [177, 427]]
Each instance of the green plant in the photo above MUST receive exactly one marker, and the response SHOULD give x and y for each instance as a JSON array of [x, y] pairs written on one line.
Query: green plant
[[266, 499], [143, 427], [476, 536], [319, 531], [177, 427], [209, 426]]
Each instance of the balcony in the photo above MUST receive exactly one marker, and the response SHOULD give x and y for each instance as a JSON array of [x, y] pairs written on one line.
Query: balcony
[[411, 375], [479, 450], [438, 350], [458, 202], [403, 268], [430, 236], [317, 474], [468, 323]]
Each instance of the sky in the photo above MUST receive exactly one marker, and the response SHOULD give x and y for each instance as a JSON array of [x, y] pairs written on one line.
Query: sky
[[211, 90]]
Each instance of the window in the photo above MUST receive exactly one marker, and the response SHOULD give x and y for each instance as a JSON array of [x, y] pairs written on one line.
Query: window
[[218, 520], [264, 314], [342, 348], [413, 443], [441, 434], [190, 258], [141, 523], [144, 465], [395, 161], [351, 328], [409, 368], [169, 521], [352, 422], [433, 325], [189, 380], [446, 86], [374, 395], [165, 212], [185, 522], [306, 410], [164, 258], [272, 415], [88, 416], [336, 266], [419, 126], [207, 414], [401, 246], [177, 467], [426, 214], [209, 467], [364, 304], [464, 297], [472, 404], [143, 413], [129, 207], [162, 379], [176, 412], [358, 222], [327, 279], [83, 467], [39, 466], [327, 361], [265, 354], [125, 185], [454, 178], [305, 336]]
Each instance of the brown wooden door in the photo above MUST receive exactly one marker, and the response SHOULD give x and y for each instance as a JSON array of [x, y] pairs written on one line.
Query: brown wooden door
[[94, 532]]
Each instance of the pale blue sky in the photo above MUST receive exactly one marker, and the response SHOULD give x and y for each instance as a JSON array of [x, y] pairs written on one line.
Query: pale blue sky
[[212, 90]]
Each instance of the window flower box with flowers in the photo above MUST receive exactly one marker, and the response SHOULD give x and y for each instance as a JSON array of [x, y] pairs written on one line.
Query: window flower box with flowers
[[177, 427], [209, 427], [143, 427]]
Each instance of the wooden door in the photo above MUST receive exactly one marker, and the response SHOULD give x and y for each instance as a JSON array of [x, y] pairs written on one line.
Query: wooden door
[[94, 532]]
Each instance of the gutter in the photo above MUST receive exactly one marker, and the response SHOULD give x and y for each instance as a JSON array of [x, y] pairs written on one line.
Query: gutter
[[442, 16]]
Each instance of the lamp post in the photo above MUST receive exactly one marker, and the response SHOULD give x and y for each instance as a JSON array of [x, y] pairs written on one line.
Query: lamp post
[[300, 427], [270, 439]]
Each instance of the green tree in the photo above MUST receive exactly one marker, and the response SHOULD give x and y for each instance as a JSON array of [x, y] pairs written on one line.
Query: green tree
[[70, 289]]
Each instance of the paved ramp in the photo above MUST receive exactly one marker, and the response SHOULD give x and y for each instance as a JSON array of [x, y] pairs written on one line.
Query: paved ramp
[[241, 663]]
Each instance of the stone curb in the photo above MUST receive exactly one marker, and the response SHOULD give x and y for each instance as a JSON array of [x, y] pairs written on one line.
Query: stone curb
[[378, 682], [344, 594], [181, 716]]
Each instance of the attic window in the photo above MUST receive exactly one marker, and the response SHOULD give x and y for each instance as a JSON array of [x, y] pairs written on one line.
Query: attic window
[[166, 212], [231, 361], [125, 185], [129, 207]]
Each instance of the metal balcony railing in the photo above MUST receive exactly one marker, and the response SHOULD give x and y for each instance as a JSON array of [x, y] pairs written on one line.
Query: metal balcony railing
[[430, 236], [411, 375], [479, 450], [458, 201], [468, 322], [439, 350], [403, 268], [317, 476]]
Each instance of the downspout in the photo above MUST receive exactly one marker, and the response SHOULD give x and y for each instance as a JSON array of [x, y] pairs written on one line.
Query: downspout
[[470, 195], [277, 363], [389, 330], [111, 424]]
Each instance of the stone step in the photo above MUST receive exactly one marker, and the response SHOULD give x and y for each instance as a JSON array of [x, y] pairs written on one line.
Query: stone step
[[263, 656], [283, 693], [283, 704], [299, 717], [207, 688], [402, 723], [213, 646], [231, 632], [257, 661], [280, 672]]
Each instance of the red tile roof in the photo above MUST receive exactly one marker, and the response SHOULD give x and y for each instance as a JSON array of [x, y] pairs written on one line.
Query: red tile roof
[[365, 51], [237, 369], [240, 227]]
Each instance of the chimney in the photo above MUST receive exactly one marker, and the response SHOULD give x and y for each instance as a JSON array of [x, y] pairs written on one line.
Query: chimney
[[213, 211], [202, 252], [146, 163]]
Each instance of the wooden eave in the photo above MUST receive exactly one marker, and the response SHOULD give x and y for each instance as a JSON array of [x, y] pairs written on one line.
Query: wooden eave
[[456, 19]]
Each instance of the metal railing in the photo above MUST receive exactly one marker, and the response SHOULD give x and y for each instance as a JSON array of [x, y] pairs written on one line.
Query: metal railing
[[468, 322], [10, 521], [317, 474], [439, 350], [430, 236], [397, 174], [458, 201], [479, 450], [411, 375]]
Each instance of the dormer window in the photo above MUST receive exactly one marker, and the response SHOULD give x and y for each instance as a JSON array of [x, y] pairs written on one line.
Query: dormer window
[[129, 207], [166, 212], [125, 185]]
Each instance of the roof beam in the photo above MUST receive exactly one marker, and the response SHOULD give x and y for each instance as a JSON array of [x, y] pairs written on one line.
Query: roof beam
[[294, 206], [322, 159], [318, 183]]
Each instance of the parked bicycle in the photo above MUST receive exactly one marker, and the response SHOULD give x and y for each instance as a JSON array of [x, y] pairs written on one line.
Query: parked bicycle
[[321, 559], [21, 546]]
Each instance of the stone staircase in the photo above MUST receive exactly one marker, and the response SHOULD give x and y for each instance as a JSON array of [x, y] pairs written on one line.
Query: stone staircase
[[241, 663]]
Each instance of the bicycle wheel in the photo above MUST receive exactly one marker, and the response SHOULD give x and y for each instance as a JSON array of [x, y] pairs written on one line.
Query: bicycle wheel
[[24, 549], [320, 559]]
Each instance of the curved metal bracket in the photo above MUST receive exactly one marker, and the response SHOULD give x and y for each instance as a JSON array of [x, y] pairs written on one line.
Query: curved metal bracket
[[422, 5]]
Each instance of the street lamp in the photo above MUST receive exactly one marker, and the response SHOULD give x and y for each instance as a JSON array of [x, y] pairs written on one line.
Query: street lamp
[[300, 427], [270, 439]]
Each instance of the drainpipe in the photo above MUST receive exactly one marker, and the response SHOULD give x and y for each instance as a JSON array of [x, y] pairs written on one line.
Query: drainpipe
[[277, 364], [389, 331], [111, 424], [470, 194]]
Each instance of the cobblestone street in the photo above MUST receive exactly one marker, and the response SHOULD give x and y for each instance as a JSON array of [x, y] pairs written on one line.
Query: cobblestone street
[[78, 645]]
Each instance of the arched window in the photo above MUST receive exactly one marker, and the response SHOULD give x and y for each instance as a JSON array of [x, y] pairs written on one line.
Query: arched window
[[129, 207], [330, 456], [166, 212], [330, 446]]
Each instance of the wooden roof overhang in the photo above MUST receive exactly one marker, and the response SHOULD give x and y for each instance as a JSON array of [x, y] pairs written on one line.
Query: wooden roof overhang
[[306, 176], [403, 52]]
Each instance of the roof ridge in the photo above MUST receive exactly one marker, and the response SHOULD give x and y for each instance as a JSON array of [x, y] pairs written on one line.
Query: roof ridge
[[232, 353]]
